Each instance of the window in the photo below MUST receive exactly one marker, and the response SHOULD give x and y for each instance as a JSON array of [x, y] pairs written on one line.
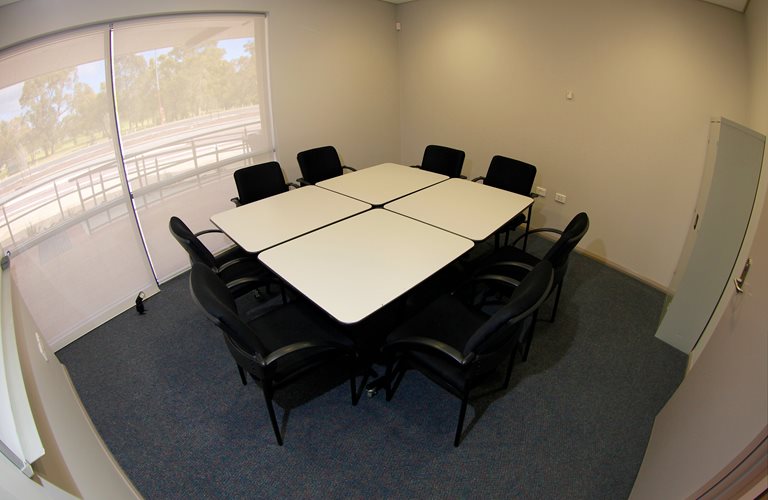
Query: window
[[107, 132]]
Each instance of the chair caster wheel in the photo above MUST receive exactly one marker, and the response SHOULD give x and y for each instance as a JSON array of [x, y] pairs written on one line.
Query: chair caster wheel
[[371, 392]]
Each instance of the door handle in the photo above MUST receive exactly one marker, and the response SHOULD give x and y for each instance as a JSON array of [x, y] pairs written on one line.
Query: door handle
[[740, 280]]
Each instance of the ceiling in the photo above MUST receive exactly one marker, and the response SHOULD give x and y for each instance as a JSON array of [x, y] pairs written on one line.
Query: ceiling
[[737, 5]]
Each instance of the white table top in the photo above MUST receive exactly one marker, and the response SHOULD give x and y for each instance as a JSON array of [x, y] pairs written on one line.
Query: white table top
[[268, 222], [383, 183], [356, 266], [469, 209]]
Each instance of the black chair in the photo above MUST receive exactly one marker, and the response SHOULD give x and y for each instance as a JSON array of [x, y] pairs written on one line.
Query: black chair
[[442, 160], [515, 176], [319, 164], [277, 347], [456, 345], [258, 182], [507, 260], [242, 272]]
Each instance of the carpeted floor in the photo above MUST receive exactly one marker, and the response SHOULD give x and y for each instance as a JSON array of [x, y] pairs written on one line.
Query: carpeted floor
[[165, 395]]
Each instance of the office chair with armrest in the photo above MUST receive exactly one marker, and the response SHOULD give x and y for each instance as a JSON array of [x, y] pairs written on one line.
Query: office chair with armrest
[[258, 182], [319, 164], [242, 272], [508, 260], [456, 345], [276, 348], [515, 176], [443, 160]]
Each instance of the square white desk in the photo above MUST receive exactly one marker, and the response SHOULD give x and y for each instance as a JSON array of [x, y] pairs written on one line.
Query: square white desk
[[383, 183], [354, 267], [469, 209], [268, 222]]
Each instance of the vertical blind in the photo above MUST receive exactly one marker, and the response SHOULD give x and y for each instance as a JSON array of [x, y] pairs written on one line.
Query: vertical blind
[[104, 134]]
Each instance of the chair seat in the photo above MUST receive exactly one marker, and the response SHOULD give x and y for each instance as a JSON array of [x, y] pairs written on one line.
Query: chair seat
[[448, 320], [454, 343], [297, 321]]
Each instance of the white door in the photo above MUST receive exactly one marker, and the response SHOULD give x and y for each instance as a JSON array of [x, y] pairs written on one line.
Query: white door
[[719, 414], [729, 187]]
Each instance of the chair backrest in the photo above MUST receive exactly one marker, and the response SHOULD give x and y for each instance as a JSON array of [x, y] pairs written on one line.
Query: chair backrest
[[443, 160], [510, 175], [558, 253], [319, 164], [211, 294], [523, 302], [259, 181], [190, 243]]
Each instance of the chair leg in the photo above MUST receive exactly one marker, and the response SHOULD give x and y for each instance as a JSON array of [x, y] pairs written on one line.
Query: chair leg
[[529, 336], [242, 375], [271, 409], [353, 388], [527, 227], [557, 301], [462, 414], [510, 365], [393, 376], [357, 393]]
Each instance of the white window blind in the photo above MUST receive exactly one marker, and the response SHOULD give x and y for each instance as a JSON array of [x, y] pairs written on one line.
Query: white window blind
[[67, 216], [107, 132], [193, 104]]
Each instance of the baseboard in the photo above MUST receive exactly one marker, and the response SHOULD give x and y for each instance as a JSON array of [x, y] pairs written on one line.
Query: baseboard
[[618, 267]]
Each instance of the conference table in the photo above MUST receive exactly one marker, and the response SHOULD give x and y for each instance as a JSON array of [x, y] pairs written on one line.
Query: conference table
[[383, 183], [265, 223], [350, 258], [466, 208], [355, 267]]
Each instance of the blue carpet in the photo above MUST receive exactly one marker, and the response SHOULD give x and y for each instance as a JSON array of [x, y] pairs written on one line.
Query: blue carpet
[[165, 395]]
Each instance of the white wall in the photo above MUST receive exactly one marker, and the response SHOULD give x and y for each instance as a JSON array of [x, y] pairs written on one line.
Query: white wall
[[490, 77], [333, 65]]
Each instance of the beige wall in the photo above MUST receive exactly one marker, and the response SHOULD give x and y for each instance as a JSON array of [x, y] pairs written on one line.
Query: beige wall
[[757, 34], [491, 76], [76, 460], [333, 65]]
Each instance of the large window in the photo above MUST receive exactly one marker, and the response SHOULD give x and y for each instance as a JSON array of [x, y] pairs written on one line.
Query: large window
[[107, 132]]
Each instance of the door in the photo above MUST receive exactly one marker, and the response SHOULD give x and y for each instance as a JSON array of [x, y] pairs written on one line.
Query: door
[[729, 187], [718, 418]]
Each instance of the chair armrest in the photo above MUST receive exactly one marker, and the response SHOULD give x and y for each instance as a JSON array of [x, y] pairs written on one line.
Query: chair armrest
[[236, 201], [428, 344], [500, 269], [348, 168], [538, 230], [497, 278], [208, 231], [477, 179], [533, 195], [239, 260], [302, 182], [302, 346], [256, 281], [462, 176], [292, 185]]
